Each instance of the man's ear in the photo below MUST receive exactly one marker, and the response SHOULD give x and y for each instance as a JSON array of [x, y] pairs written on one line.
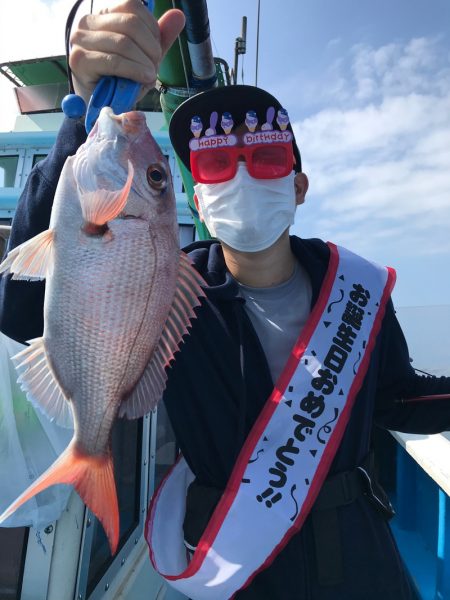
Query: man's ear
[[197, 206], [301, 185]]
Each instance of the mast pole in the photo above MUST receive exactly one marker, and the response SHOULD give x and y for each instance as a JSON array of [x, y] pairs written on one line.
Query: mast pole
[[240, 48], [257, 42]]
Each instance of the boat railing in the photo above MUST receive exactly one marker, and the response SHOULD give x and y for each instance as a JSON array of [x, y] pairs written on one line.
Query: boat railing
[[417, 467]]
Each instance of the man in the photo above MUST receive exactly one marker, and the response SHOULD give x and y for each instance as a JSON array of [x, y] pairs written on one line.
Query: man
[[231, 381]]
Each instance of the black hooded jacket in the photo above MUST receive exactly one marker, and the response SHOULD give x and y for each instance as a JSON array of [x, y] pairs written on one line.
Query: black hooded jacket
[[219, 382]]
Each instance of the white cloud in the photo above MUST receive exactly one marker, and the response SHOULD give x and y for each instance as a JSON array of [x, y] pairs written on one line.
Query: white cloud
[[331, 132], [377, 153], [398, 69], [333, 44]]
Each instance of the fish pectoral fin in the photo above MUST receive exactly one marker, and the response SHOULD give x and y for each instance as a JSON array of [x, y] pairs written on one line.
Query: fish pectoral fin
[[150, 387], [37, 380], [93, 479], [101, 206], [32, 260]]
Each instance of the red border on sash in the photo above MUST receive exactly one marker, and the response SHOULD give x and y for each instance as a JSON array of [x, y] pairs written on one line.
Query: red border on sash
[[233, 485], [255, 434], [338, 432]]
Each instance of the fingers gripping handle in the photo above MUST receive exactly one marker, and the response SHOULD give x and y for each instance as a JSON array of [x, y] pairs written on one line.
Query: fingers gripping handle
[[117, 92]]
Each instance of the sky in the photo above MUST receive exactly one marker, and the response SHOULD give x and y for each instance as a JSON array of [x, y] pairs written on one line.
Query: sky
[[367, 87]]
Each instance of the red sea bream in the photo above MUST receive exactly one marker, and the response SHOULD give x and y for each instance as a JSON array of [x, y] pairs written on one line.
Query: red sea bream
[[119, 297]]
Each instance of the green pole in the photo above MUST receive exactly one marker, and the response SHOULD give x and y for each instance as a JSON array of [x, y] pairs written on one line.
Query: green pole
[[174, 74], [171, 70], [169, 103]]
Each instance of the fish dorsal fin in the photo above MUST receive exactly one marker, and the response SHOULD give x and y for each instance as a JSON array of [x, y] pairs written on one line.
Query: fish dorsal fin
[[150, 388], [100, 206], [38, 382], [32, 260]]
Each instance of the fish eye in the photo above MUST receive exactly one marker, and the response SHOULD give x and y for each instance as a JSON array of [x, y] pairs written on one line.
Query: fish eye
[[157, 176]]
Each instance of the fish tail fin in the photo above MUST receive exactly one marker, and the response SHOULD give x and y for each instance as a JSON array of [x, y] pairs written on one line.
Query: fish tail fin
[[93, 479], [102, 205]]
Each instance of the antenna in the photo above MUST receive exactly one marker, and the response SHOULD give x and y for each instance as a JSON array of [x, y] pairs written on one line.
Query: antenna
[[240, 48], [257, 43]]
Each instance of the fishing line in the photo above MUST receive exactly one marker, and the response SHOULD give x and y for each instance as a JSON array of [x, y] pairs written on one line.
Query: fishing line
[[424, 372], [215, 46], [257, 42], [68, 29], [183, 59]]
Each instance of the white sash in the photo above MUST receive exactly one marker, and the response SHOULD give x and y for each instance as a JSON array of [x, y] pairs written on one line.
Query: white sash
[[290, 448]]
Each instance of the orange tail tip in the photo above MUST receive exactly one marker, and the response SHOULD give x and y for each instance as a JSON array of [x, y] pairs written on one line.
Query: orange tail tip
[[93, 479]]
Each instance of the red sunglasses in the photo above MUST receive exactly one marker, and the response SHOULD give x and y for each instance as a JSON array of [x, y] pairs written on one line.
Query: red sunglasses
[[263, 161]]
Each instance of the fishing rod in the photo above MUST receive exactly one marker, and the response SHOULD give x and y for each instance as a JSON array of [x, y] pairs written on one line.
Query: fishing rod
[[424, 398], [187, 68]]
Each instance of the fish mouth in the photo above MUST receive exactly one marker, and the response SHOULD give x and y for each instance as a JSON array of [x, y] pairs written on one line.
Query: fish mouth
[[130, 122], [109, 125]]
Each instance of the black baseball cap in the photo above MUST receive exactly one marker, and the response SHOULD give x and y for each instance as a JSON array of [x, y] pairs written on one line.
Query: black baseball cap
[[237, 100]]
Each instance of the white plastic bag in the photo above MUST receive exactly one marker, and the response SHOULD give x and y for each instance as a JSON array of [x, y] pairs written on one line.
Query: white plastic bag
[[29, 444]]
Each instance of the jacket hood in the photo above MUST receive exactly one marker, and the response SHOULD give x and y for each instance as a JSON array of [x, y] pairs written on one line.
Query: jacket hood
[[208, 259]]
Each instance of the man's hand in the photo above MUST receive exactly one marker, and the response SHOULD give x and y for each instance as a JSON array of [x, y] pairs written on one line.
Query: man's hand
[[125, 41]]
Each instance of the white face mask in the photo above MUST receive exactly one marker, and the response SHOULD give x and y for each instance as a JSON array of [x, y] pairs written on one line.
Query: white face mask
[[245, 213]]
